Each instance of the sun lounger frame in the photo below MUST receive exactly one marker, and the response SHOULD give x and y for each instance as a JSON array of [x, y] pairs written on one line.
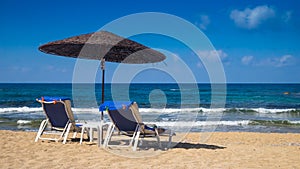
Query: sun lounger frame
[[137, 133], [57, 133]]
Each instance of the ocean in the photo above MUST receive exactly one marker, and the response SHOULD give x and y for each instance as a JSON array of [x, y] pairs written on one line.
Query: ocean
[[185, 107]]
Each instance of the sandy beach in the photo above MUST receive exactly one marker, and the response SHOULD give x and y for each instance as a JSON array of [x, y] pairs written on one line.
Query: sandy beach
[[221, 150]]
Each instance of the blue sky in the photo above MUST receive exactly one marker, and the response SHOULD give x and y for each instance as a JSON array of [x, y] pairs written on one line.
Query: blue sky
[[257, 41]]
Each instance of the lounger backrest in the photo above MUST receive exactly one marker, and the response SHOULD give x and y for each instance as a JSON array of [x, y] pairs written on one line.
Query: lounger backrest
[[135, 111], [123, 119], [121, 115], [70, 112], [56, 114], [58, 111]]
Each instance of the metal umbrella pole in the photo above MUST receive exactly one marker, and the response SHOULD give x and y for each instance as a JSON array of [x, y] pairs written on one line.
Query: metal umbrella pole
[[100, 137]]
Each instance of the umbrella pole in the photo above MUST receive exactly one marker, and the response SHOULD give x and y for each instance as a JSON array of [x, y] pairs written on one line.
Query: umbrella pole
[[102, 121], [103, 76]]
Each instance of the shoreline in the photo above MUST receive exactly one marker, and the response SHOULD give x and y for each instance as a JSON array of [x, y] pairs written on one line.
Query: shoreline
[[220, 150]]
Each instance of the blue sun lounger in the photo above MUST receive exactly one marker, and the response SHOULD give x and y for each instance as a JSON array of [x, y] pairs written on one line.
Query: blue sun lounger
[[125, 117], [60, 118]]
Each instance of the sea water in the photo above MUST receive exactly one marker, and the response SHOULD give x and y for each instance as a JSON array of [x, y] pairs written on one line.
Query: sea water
[[186, 107]]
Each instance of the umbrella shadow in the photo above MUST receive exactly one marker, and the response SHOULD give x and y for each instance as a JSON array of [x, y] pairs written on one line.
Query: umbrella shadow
[[197, 146], [153, 144]]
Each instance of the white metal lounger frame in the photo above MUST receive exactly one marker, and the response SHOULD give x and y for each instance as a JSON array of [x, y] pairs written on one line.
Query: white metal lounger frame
[[134, 139], [136, 135], [64, 132]]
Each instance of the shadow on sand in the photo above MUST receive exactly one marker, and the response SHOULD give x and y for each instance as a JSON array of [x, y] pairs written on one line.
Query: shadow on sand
[[197, 146], [153, 144]]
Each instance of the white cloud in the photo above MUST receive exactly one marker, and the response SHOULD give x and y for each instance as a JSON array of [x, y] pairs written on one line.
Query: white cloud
[[252, 18], [212, 55], [20, 69], [247, 60], [282, 61], [204, 22], [55, 69], [287, 16]]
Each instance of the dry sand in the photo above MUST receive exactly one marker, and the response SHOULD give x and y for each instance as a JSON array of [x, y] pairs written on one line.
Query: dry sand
[[221, 150]]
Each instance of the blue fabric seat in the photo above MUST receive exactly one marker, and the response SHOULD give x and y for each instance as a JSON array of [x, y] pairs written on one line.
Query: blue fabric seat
[[59, 117]]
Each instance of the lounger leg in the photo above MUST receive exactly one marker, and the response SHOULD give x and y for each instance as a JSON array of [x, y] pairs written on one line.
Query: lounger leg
[[170, 140], [132, 139], [67, 133], [81, 135], [158, 139], [99, 133], [136, 140], [41, 129], [108, 134], [91, 134], [74, 135], [134, 134]]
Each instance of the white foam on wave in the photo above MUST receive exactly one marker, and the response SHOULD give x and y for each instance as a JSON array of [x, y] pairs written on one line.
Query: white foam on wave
[[23, 122], [295, 122], [85, 110], [39, 109], [20, 109], [265, 111], [213, 110], [178, 110], [202, 123]]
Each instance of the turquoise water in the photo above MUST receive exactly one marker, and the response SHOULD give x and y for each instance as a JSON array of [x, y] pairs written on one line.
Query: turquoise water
[[248, 107]]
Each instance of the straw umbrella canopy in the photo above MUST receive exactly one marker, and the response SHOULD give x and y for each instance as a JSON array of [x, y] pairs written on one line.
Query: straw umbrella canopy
[[103, 46]]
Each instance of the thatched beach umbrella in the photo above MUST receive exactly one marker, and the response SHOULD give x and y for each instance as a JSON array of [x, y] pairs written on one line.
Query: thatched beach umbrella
[[103, 46]]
